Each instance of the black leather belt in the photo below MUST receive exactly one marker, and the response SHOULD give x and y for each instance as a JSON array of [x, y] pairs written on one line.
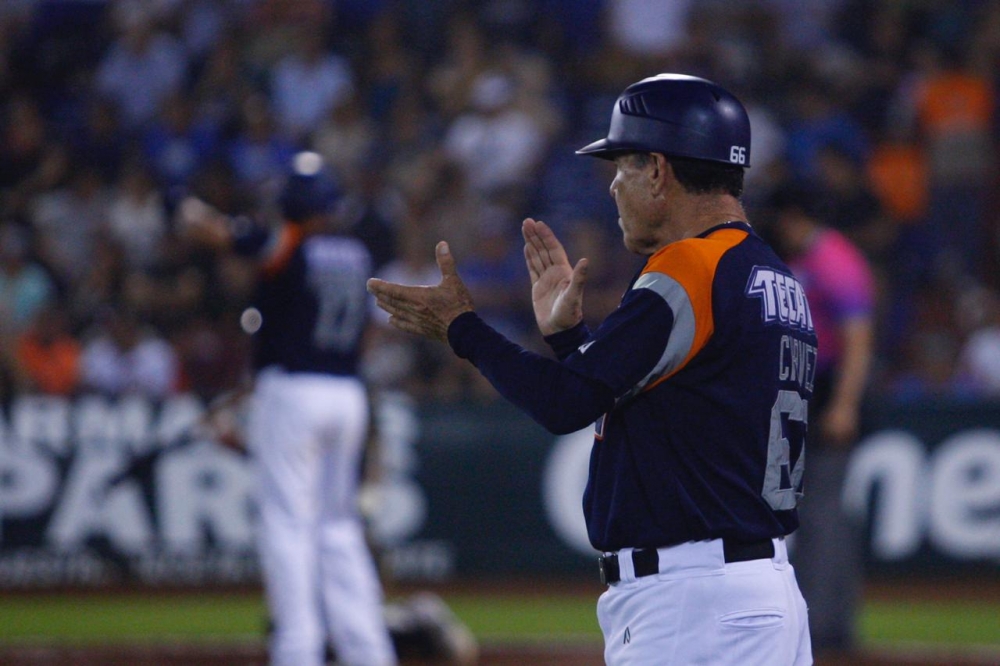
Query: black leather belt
[[646, 561]]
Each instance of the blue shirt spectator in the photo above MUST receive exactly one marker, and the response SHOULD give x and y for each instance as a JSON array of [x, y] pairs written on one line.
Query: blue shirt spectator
[[178, 143], [143, 67]]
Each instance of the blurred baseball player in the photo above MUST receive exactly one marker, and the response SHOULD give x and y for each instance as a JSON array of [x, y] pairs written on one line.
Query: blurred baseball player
[[698, 384], [308, 423]]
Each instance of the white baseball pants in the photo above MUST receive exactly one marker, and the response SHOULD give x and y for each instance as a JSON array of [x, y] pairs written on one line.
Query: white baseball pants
[[701, 610], [307, 435]]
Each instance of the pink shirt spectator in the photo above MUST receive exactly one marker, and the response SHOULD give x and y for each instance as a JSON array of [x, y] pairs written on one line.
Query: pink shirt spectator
[[839, 286]]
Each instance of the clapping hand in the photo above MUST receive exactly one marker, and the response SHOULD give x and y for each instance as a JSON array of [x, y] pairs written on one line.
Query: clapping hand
[[425, 311], [556, 286]]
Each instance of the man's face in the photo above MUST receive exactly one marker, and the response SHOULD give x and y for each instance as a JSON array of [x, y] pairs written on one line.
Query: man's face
[[631, 192]]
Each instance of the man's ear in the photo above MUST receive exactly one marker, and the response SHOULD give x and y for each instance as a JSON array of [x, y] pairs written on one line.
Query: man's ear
[[661, 173]]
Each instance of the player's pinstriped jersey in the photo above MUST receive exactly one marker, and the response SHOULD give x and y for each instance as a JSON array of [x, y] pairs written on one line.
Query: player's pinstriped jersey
[[312, 299], [703, 375]]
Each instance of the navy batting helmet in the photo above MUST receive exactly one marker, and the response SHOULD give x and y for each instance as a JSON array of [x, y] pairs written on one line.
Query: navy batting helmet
[[309, 190], [679, 116]]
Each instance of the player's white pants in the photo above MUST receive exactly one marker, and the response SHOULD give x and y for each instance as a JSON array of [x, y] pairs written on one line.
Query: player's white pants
[[307, 434], [700, 610]]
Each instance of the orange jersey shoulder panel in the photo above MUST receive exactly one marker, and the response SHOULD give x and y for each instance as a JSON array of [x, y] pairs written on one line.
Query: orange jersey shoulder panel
[[692, 263]]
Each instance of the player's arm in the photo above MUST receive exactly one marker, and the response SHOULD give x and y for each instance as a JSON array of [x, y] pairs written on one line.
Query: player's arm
[[558, 397], [204, 224], [268, 247], [562, 396], [840, 420]]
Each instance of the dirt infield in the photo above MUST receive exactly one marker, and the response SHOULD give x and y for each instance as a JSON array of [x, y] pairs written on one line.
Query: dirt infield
[[254, 655], [492, 655], [234, 655]]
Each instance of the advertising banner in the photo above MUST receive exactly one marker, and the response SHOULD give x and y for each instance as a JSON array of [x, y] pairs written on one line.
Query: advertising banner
[[95, 492]]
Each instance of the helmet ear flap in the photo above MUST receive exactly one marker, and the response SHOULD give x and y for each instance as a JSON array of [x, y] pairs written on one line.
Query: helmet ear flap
[[679, 116]]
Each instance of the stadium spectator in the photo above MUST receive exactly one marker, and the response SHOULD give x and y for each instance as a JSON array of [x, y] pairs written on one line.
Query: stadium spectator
[[979, 356], [99, 139], [270, 26], [47, 354], [201, 24], [348, 138], [25, 286], [258, 153], [143, 67], [213, 354], [498, 145], [124, 356], [651, 31], [438, 194], [807, 25], [69, 222], [31, 160], [897, 171], [610, 266], [927, 370], [388, 67], [818, 123], [137, 218], [309, 82], [172, 289], [465, 57], [954, 111], [178, 142], [223, 82], [849, 205], [769, 143]]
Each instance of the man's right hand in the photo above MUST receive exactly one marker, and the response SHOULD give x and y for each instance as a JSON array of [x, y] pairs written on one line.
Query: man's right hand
[[425, 310], [556, 286]]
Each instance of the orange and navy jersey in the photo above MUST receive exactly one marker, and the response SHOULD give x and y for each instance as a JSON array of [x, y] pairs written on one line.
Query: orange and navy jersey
[[699, 385], [312, 299]]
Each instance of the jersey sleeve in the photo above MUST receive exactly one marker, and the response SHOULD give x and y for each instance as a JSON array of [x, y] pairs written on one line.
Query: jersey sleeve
[[631, 343], [569, 394], [566, 342], [559, 398]]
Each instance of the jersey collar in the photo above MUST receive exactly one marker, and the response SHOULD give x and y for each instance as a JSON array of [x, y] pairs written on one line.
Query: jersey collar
[[732, 224]]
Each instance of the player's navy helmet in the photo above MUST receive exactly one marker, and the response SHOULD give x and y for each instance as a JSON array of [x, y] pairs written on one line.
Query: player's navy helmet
[[309, 190], [679, 116]]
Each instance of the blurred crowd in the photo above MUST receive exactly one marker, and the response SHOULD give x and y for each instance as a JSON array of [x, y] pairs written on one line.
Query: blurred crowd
[[455, 119]]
